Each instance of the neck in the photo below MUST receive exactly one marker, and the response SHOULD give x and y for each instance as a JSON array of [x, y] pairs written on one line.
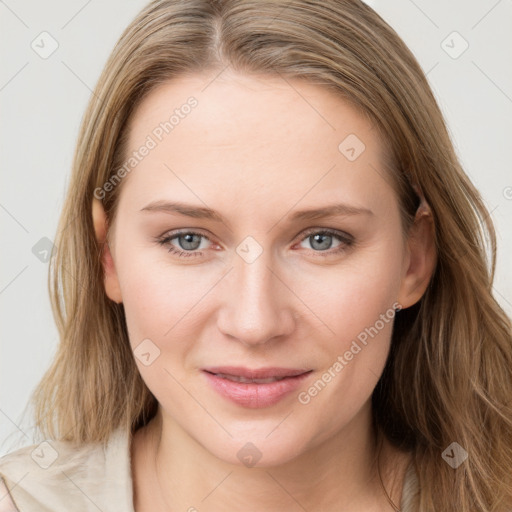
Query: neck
[[172, 471]]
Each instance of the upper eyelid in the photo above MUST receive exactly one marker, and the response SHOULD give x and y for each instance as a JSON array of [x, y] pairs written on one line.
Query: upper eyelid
[[331, 231], [170, 234]]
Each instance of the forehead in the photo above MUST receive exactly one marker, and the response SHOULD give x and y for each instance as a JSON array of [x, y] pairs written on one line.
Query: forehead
[[241, 105], [263, 133]]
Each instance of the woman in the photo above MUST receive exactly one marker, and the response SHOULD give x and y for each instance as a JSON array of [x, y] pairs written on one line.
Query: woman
[[272, 283]]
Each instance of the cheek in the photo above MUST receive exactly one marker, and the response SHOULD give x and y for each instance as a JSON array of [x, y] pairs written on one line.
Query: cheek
[[351, 296], [150, 293], [357, 305], [161, 307], [158, 303]]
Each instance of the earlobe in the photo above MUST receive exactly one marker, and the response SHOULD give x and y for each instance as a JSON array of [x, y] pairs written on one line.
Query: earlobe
[[110, 280], [422, 257]]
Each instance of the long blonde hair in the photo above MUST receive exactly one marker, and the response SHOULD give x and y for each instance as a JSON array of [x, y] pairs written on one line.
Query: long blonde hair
[[448, 377]]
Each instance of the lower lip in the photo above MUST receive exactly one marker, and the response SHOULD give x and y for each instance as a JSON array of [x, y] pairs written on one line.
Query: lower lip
[[253, 395]]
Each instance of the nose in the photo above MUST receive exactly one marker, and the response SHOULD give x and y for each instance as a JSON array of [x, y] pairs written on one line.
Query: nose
[[256, 305]]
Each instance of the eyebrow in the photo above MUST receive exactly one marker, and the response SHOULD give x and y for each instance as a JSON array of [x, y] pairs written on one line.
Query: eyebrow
[[200, 212]]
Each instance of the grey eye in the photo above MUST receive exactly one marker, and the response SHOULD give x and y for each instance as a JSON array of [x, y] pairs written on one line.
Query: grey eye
[[189, 241], [321, 241]]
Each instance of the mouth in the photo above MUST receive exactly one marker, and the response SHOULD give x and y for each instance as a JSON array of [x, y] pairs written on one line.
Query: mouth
[[255, 374], [256, 388], [239, 378]]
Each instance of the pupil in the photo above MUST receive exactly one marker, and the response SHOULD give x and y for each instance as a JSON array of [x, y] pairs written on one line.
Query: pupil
[[191, 241], [323, 239]]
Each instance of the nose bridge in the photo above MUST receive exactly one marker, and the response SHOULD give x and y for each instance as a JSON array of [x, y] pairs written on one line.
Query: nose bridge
[[256, 307]]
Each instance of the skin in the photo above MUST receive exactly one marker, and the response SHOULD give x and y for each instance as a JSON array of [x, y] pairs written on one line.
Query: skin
[[256, 150]]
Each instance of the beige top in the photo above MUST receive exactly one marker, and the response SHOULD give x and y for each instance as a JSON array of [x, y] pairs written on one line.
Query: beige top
[[56, 477]]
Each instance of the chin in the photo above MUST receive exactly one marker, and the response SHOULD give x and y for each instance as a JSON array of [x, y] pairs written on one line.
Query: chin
[[257, 450]]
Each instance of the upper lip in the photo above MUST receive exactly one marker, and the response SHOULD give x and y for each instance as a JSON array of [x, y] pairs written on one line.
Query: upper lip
[[256, 373]]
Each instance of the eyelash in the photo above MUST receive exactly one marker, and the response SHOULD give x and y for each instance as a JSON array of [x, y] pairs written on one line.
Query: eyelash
[[346, 242]]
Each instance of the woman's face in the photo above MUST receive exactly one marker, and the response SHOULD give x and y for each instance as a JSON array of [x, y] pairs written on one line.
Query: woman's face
[[257, 230]]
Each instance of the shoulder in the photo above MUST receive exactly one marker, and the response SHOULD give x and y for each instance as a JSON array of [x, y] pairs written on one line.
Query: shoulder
[[58, 476]]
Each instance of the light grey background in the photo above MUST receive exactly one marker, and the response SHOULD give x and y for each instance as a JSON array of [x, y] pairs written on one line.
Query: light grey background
[[43, 100]]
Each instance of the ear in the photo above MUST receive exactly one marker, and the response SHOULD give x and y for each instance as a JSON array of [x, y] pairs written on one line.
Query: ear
[[421, 258], [110, 280]]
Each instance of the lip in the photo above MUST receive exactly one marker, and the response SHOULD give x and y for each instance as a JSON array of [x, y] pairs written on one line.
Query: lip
[[255, 395], [256, 373]]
